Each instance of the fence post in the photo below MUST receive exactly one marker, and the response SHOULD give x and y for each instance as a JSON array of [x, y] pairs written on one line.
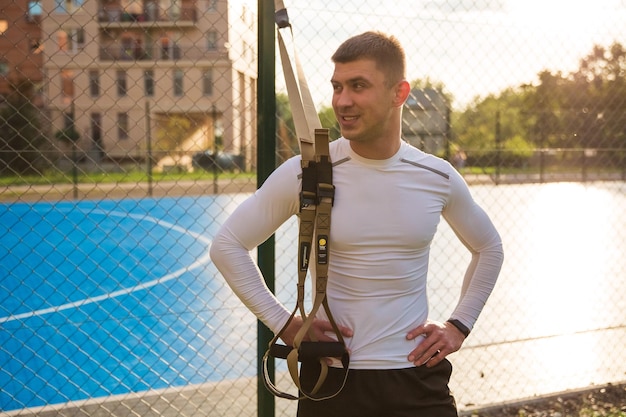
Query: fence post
[[266, 162], [498, 141], [149, 148], [214, 135]]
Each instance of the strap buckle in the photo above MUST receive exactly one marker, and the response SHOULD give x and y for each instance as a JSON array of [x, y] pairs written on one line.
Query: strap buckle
[[307, 199], [325, 191]]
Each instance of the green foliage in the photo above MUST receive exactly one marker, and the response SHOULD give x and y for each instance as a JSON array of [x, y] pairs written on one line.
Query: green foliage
[[329, 121], [286, 136], [56, 176], [283, 111], [20, 132], [172, 133], [567, 112], [493, 129], [584, 109], [68, 135]]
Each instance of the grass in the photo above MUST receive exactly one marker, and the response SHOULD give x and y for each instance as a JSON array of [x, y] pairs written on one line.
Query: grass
[[131, 176], [134, 175]]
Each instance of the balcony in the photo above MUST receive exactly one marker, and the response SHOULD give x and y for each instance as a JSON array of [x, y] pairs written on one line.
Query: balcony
[[148, 16], [177, 52]]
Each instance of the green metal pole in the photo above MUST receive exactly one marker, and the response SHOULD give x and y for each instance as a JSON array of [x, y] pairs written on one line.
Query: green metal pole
[[498, 147], [75, 169], [74, 153], [266, 162], [149, 148]]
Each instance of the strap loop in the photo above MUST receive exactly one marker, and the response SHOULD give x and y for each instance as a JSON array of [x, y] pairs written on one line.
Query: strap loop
[[316, 201]]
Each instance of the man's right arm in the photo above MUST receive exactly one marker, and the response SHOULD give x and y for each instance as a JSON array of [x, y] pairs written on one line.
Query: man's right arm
[[256, 219]]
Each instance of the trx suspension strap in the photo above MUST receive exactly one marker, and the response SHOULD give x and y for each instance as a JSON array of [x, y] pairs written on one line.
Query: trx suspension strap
[[316, 200]]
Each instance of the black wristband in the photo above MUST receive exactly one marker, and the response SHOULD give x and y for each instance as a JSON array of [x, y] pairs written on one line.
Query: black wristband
[[462, 328]]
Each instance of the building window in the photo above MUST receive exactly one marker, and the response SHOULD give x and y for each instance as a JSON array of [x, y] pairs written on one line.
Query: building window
[[132, 9], [4, 25], [122, 126], [121, 83], [67, 83], [96, 133], [68, 120], [207, 82], [131, 48], [94, 83], [174, 10], [71, 40], [67, 6], [178, 82], [34, 11], [4, 68], [169, 46], [211, 41], [148, 82], [151, 10], [34, 8], [166, 47]]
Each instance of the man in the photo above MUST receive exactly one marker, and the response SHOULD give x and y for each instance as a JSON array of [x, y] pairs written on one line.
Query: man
[[389, 199]]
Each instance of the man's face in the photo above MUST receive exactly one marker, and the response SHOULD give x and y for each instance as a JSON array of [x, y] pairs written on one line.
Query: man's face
[[362, 101]]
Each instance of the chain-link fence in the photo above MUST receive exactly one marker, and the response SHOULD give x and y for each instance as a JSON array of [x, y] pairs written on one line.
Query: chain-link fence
[[128, 133]]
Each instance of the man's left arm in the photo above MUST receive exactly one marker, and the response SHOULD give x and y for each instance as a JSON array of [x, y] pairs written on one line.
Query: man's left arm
[[476, 231]]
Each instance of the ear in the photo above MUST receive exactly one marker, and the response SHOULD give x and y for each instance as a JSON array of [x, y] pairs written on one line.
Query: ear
[[403, 89]]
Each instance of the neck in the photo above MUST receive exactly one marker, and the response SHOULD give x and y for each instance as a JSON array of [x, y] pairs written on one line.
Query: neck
[[383, 148]]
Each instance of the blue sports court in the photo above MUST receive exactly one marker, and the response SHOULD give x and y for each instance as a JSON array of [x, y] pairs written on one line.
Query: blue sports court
[[109, 297]]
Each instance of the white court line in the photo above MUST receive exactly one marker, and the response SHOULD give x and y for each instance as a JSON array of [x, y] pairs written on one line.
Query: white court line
[[90, 300]]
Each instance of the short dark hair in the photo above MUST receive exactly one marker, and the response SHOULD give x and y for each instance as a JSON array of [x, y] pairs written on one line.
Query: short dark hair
[[385, 50]]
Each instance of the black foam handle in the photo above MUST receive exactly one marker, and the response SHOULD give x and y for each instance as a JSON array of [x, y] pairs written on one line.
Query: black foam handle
[[280, 351], [315, 350]]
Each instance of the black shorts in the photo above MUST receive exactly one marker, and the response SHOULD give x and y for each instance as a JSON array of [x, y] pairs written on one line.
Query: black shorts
[[410, 392]]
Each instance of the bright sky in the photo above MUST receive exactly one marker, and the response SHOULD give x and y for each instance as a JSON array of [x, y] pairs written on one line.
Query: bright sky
[[473, 47]]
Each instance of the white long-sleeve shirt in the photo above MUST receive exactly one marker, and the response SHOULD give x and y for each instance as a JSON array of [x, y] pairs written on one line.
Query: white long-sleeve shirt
[[384, 218]]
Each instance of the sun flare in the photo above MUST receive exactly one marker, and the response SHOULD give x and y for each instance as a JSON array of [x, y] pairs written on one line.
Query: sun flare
[[559, 16]]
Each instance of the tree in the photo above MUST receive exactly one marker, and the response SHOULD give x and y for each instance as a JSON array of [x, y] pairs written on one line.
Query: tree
[[172, 134], [544, 107], [68, 135], [602, 76], [287, 142], [494, 128], [329, 121], [286, 136], [21, 138], [581, 110]]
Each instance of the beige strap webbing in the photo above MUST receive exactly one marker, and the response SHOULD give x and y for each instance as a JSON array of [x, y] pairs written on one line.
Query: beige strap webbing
[[316, 200], [303, 110]]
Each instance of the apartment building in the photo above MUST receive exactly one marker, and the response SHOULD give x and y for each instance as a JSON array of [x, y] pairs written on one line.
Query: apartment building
[[20, 46], [123, 72]]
